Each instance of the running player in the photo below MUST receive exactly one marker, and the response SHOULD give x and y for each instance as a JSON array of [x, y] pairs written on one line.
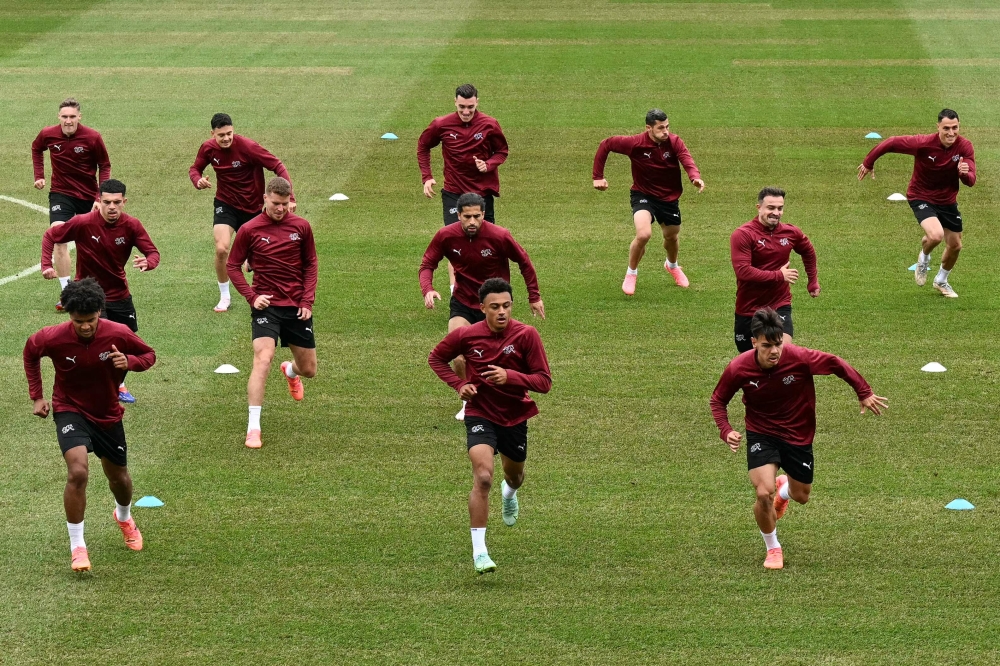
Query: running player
[[280, 247], [940, 161], [505, 361], [759, 251], [657, 157], [90, 356], [239, 165], [476, 252], [104, 241], [473, 146], [79, 162], [780, 399]]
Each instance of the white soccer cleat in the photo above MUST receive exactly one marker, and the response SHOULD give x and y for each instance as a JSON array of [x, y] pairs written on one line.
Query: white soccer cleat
[[223, 304], [920, 272], [945, 289], [461, 413]]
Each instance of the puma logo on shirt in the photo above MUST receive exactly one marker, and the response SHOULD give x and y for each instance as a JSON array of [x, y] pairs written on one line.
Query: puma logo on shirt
[[71, 359], [755, 384]]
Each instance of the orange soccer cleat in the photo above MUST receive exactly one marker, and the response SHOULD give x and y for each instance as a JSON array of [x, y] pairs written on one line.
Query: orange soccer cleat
[[295, 386], [680, 279], [131, 533], [774, 559], [780, 505], [81, 562], [253, 440]]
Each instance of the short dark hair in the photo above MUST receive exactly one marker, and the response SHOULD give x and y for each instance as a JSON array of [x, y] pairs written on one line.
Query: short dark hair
[[70, 102], [654, 116], [221, 120], [112, 186], [947, 113], [279, 186], [767, 323], [466, 90], [82, 297], [770, 192], [494, 286], [470, 199]]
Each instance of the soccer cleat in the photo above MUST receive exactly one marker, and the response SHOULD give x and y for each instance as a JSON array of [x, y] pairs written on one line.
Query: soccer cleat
[[133, 537], [945, 289], [253, 440], [59, 308], [223, 304], [461, 413], [780, 505], [774, 559], [680, 279], [295, 386], [628, 286], [80, 562], [125, 396], [920, 272], [485, 565], [510, 507]]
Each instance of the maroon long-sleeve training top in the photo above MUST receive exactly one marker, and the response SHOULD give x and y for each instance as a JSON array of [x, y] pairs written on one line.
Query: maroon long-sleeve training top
[[283, 256], [656, 167], [86, 378], [461, 143], [780, 402], [102, 249], [476, 260], [758, 255], [935, 176], [79, 163], [517, 349], [239, 171]]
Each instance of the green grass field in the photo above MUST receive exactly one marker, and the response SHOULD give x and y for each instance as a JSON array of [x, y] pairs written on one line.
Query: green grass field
[[345, 539]]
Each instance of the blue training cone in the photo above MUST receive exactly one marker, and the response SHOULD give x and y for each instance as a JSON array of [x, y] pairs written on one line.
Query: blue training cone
[[389, 135], [959, 505], [873, 135], [149, 501], [911, 268]]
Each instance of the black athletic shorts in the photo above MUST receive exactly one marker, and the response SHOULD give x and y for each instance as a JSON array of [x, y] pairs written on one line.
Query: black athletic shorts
[[449, 200], [280, 322], [74, 430], [473, 316], [947, 214], [63, 206], [741, 329], [512, 441], [123, 312], [797, 461], [234, 217], [667, 213]]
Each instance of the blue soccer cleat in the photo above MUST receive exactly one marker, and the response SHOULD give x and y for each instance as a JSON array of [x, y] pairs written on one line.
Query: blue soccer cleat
[[124, 396]]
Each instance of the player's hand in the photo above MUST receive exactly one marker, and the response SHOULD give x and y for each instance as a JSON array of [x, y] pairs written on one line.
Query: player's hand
[[292, 206], [601, 184], [40, 184], [815, 292], [963, 167], [96, 206], [203, 183], [700, 184], [49, 274], [41, 408], [305, 313], [495, 375], [733, 439], [790, 274], [118, 358], [429, 188], [864, 171], [481, 165], [537, 309], [140, 262], [876, 403], [429, 299], [262, 301], [467, 392]]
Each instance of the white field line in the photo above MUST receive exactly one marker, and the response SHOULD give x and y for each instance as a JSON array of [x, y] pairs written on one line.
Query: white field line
[[36, 267]]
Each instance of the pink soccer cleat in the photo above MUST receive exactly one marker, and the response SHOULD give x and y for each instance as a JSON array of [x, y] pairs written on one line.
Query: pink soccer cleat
[[774, 559], [680, 279], [628, 286], [780, 505]]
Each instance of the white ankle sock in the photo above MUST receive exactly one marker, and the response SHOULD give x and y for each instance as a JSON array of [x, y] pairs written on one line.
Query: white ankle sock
[[75, 535], [254, 423], [771, 540], [942, 276], [783, 493], [224, 289], [63, 281], [478, 541], [924, 258], [508, 492], [671, 264], [290, 371], [632, 271], [123, 513]]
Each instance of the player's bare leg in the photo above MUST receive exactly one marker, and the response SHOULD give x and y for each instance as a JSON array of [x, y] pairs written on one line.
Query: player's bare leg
[[263, 354], [513, 478], [75, 504], [303, 364], [953, 246], [62, 263], [671, 244], [933, 235], [763, 480], [223, 236], [458, 365], [120, 482], [481, 457], [643, 221], [451, 276]]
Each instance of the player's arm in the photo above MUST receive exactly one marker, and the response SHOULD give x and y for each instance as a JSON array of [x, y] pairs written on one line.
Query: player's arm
[[100, 152], [805, 249], [234, 265], [201, 162], [139, 355], [34, 350], [143, 243], [444, 353], [967, 168], [822, 363], [723, 393], [740, 253], [58, 233], [906, 145], [432, 257], [613, 144], [517, 254], [538, 378], [686, 161], [499, 148], [266, 159], [310, 275], [429, 138], [38, 160]]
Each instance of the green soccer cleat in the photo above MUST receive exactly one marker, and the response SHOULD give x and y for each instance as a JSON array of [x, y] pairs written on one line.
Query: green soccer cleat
[[510, 508], [484, 564]]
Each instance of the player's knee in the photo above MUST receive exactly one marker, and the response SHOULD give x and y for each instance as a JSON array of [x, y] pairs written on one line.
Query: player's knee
[[800, 495], [642, 237], [482, 479], [765, 494], [954, 244], [76, 476], [515, 480], [263, 357], [307, 369], [221, 251], [935, 236]]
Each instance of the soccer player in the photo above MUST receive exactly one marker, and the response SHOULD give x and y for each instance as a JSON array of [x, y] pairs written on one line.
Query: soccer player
[[279, 245], [780, 398], [759, 251], [940, 161], [90, 356], [505, 361], [239, 165], [476, 252], [473, 146], [657, 157], [79, 162], [104, 241]]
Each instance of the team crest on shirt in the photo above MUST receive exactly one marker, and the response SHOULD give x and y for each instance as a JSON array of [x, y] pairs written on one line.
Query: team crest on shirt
[[237, 164], [478, 136], [487, 252], [788, 380], [120, 240], [79, 149], [666, 155], [509, 349], [294, 236], [956, 158], [784, 241], [104, 355]]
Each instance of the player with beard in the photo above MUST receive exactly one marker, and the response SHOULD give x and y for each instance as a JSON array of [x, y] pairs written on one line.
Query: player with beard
[[505, 360], [477, 252], [779, 395]]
